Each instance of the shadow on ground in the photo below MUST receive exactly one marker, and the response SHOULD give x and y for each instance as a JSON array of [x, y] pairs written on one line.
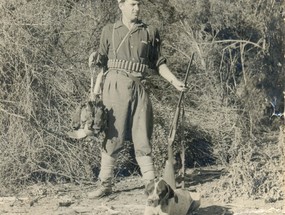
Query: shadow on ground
[[204, 176], [214, 210], [199, 176]]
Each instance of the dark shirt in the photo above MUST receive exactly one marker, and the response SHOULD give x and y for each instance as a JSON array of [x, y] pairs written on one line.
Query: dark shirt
[[141, 44]]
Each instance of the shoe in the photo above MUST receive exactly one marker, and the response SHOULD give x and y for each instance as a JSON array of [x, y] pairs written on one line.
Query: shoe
[[101, 191]]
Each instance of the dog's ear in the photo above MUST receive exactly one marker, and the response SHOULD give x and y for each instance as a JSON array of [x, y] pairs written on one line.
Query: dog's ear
[[175, 198], [170, 191], [165, 191]]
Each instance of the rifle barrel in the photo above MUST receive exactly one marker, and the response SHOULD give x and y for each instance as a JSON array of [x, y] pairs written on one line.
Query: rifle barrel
[[174, 124]]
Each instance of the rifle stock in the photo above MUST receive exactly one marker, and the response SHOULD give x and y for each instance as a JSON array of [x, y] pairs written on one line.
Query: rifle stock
[[169, 175]]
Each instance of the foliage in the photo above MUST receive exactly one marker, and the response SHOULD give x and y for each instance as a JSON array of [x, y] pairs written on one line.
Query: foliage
[[238, 69]]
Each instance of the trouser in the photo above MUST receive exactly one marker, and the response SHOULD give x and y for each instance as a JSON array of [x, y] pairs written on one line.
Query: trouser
[[129, 117], [108, 163]]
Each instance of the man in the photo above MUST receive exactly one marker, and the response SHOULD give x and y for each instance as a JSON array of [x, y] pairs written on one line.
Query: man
[[127, 49]]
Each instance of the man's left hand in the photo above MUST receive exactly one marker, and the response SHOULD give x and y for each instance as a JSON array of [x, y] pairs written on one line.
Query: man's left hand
[[180, 86]]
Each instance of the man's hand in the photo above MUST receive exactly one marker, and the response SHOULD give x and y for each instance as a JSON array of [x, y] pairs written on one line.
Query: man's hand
[[170, 77], [179, 85]]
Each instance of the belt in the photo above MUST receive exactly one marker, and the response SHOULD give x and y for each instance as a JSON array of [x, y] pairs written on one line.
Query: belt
[[127, 65], [129, 75]]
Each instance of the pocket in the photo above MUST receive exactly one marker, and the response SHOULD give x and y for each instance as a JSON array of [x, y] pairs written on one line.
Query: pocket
[[143, 49]]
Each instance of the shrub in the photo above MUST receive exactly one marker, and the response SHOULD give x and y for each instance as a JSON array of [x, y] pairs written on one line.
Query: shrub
[[239, 57]]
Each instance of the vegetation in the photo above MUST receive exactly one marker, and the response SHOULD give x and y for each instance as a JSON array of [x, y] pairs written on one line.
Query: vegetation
[[238, 70]]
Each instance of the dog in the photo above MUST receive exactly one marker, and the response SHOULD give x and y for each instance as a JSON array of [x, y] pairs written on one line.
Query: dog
[[163, 200]]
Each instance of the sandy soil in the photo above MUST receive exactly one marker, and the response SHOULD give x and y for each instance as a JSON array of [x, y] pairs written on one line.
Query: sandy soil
[[128, 199]]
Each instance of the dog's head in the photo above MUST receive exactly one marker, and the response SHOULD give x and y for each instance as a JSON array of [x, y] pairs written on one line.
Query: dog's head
[[158, 193]]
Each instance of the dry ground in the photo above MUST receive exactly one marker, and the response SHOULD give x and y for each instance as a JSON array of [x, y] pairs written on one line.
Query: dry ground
[[128, 199]]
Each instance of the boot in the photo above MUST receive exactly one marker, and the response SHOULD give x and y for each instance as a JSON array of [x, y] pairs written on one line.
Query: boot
[[105, 177], [104, 189], [147, 168]]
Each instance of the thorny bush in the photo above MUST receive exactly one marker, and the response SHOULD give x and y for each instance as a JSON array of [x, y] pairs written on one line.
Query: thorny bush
[[238, 69]]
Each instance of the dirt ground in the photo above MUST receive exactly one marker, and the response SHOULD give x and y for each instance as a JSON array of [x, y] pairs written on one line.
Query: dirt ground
[[128, 199]]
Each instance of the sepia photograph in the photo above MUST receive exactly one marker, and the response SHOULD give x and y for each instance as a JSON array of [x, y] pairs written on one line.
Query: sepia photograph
[[151, 107]]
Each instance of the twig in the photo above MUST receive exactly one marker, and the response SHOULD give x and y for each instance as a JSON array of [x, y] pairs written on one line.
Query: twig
[[12, 114], [190, 33], [237, 41]]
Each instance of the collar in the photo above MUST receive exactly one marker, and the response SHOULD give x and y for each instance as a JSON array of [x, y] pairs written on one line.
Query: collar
[[119, 24]]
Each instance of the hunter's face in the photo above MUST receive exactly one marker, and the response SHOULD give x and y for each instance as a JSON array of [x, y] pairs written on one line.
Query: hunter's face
[[130, 9]]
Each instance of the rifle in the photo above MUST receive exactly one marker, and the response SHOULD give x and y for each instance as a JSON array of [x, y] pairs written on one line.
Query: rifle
[[169, 175]]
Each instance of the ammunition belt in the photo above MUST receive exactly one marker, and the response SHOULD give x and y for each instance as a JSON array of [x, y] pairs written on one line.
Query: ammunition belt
[[127, 65]]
